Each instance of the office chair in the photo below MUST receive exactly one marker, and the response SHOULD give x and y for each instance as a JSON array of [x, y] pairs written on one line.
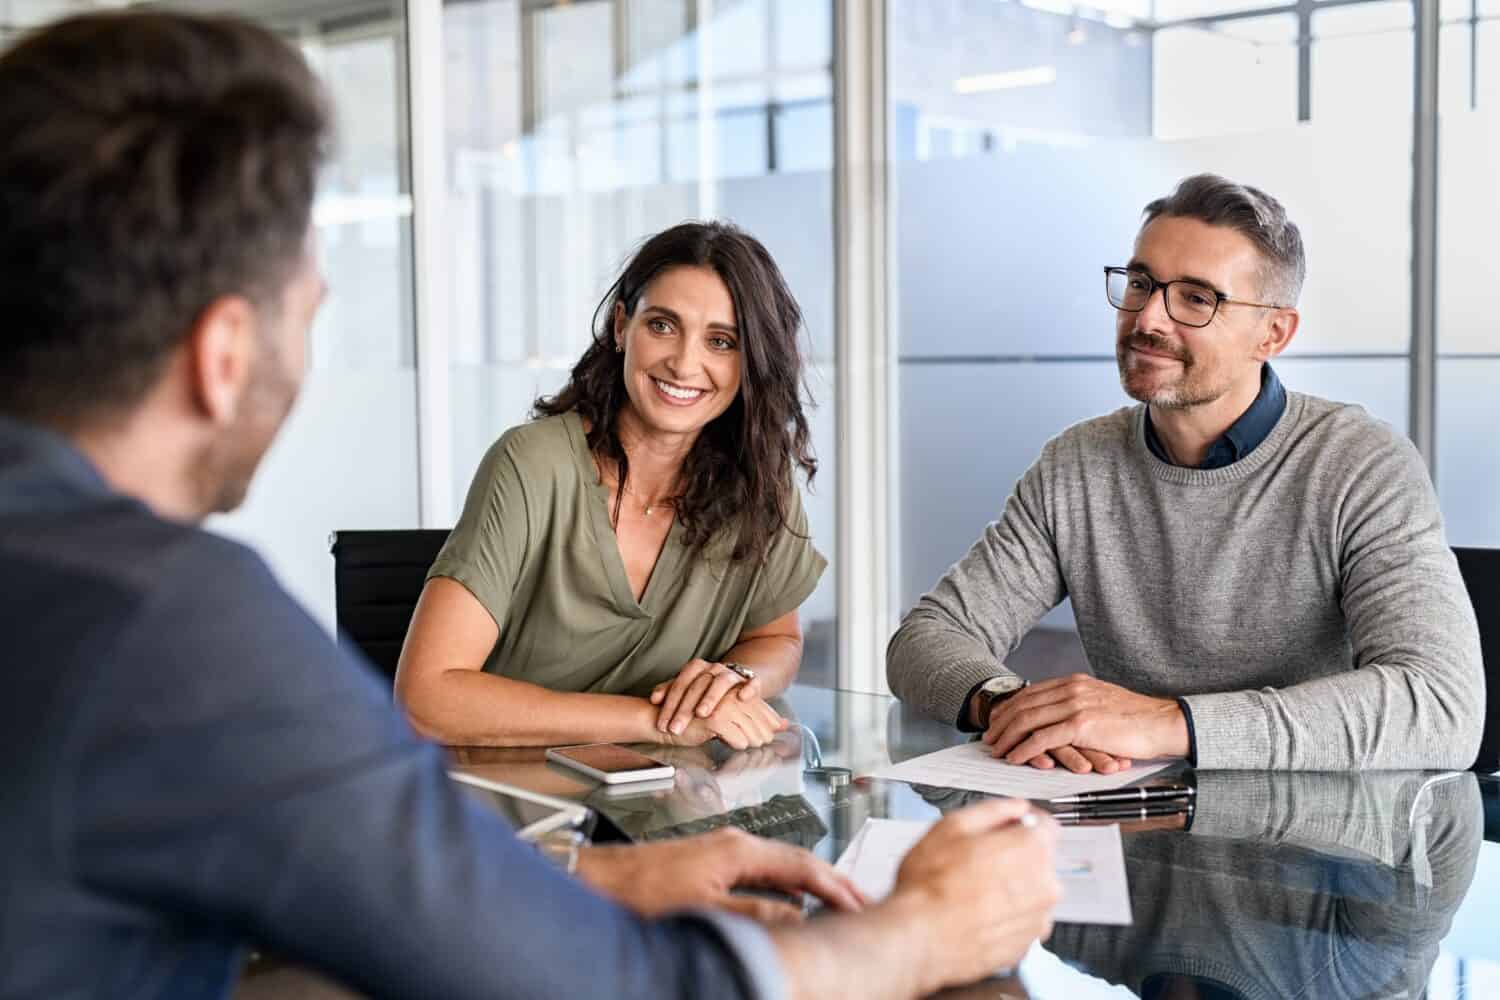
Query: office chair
[[1481, 573], [377, 578], [1489, 798]]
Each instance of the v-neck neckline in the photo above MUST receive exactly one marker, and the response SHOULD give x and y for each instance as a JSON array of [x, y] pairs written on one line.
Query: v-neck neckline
[[608, 542]]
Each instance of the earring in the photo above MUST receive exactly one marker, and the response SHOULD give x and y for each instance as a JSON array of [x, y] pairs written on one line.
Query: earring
[[619, 349]]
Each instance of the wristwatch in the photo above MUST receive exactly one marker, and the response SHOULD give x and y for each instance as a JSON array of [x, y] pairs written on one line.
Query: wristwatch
[[993, 691], [744, 672]]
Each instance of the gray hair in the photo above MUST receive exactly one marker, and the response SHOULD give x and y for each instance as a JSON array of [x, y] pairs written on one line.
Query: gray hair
[[1251, 212]]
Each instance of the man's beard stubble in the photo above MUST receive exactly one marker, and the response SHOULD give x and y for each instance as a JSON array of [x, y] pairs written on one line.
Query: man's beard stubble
[[226, 466], [1180, 393]]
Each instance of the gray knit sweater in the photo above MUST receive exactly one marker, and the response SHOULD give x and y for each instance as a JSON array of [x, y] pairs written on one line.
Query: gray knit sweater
[[1303, 598]]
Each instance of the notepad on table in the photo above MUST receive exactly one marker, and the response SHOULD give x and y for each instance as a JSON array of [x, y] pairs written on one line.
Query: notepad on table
[[1089, 863]]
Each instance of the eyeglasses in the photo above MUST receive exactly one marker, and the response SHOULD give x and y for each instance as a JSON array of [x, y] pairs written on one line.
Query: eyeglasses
[[1188, 302]]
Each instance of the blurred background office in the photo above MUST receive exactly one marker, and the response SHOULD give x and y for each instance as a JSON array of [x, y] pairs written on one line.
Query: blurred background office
[[941, 181]]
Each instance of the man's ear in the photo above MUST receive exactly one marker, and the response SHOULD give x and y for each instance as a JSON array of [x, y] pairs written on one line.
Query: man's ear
[[221, 356], [1280, 329]]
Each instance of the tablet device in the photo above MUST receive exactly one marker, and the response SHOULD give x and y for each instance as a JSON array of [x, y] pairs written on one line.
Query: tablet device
[[532, 814]]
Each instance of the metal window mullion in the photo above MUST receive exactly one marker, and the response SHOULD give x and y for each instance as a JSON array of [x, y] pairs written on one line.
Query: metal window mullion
[[708, 122], [1304, 60], [532, 52], [312, 39], [424, 27], [1473, 54], [1422, 422], [863, 338]]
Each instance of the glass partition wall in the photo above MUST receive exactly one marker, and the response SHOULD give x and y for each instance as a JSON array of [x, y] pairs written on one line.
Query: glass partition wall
[[1024, 138], [348, 455], [1468, 326]]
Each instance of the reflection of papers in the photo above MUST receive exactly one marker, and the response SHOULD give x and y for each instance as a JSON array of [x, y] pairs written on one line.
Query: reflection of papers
[[970, 766], [1090, 865], [1045, 976]]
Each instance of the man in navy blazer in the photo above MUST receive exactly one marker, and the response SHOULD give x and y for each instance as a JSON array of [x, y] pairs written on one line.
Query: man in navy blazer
[[190, 763]]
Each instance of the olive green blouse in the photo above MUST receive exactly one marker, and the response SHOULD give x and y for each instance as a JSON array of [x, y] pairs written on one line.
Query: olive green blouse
[[536, 547]]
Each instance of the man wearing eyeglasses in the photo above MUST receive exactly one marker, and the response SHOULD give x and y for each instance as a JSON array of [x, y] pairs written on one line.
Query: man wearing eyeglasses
[[1260, 576]]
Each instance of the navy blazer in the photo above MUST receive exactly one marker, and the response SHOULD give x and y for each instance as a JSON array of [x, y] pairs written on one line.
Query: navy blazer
[[191, 765]]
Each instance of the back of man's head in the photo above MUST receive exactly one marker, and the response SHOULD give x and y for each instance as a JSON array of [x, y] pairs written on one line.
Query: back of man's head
[[152, 163], [1253, 214]]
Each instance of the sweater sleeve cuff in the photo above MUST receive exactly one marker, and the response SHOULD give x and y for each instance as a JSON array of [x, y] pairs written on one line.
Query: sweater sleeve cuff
[[950, 691], [1187, 715], [1229, 731], [756, 953]]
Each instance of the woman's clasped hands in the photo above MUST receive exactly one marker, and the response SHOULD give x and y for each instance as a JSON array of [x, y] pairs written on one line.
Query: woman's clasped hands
[[708, 700]]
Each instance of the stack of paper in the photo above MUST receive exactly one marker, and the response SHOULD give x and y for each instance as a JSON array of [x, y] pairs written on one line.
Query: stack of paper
[[970, 766], [1090, 865]]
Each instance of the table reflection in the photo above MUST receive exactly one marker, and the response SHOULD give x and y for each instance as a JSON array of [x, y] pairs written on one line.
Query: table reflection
[[1283, 885], [1315, 885]]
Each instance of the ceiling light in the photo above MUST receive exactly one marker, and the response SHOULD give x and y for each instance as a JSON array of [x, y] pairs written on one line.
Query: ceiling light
[[1035, 76]]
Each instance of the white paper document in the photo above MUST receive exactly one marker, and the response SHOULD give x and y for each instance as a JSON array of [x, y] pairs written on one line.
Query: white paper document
[[970, 766], [1090, 866]]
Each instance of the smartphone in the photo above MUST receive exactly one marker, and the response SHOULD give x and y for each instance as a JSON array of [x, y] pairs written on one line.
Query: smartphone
[[610, 763], [620, 793]]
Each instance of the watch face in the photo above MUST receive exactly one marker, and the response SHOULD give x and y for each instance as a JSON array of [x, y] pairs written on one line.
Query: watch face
[[1003, 685]]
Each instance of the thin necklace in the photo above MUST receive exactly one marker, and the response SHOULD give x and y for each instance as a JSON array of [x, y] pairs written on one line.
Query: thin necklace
[[648, 505]]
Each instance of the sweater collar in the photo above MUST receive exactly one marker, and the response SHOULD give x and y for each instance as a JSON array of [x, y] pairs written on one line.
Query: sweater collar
[[1244, 435]]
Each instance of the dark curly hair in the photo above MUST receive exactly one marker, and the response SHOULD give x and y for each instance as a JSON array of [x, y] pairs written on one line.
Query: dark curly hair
[[739, 473], [152, 162]]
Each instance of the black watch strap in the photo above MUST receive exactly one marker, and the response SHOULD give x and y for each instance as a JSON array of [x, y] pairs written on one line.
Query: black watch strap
[[964, 725], [987, 703]]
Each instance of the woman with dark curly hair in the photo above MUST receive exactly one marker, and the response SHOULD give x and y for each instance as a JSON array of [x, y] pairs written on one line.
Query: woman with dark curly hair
[[638, 551]]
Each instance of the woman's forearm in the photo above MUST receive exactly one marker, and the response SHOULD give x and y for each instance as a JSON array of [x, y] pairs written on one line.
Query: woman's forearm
[[463, 707]]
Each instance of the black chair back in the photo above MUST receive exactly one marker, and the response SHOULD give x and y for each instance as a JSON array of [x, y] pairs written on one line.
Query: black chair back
[[1481, 572], [377, 578], [1489, 798]]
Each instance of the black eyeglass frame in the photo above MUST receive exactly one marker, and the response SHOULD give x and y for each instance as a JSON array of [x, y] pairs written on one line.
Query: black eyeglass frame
[[1166, 298]]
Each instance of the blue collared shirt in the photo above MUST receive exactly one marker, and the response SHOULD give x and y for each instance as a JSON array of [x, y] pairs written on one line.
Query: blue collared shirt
[[191, 764], [1244, 435]]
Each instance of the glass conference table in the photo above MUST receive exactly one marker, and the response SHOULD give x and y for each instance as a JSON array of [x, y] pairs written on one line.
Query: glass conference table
[[1285, 885]]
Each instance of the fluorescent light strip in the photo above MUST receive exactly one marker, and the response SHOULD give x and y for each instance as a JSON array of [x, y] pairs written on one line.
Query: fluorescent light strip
[[1036, 76]]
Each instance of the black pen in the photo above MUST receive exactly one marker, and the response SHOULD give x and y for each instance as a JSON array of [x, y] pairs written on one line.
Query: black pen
[[1146, 810], [1140, 793]]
